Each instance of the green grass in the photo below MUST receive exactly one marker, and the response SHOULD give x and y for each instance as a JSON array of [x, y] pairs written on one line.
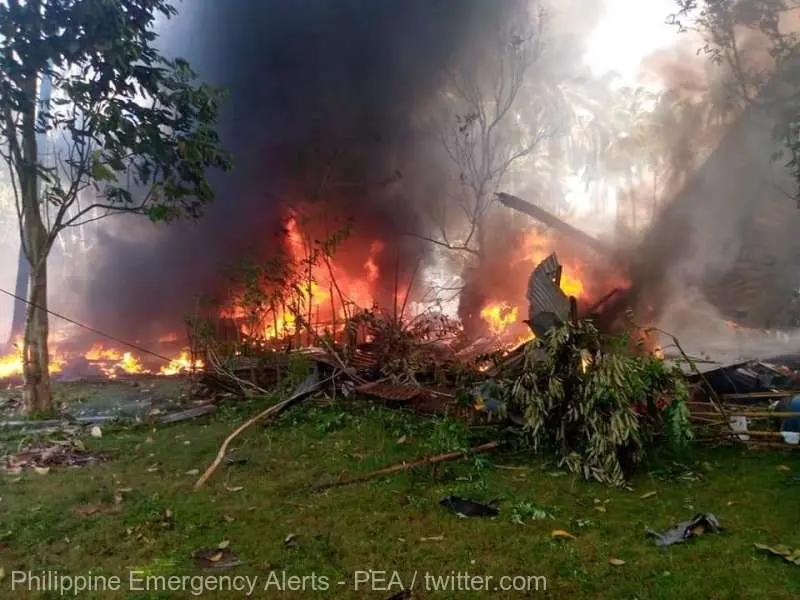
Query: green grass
[[381, 525]]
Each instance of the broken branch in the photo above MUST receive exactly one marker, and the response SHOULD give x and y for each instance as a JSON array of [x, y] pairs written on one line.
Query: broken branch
[[407, 466], [305, 389]]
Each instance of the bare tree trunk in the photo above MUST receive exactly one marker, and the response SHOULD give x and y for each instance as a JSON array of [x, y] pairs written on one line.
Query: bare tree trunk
[[36, 375], [20, 290]]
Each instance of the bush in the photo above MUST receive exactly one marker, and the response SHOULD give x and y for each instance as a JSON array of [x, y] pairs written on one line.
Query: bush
[[600, 410]]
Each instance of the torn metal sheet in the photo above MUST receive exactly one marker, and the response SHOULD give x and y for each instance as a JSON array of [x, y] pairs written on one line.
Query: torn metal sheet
[[549, 306], [701, 524]]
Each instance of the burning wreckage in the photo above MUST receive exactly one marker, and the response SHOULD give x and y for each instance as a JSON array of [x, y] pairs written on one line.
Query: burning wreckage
[[597, 403]]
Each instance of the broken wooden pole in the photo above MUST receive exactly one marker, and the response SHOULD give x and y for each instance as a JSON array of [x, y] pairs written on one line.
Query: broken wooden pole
[[552, 221]]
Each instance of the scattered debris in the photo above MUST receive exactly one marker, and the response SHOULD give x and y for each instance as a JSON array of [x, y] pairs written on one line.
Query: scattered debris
[[701, 524], [617, 562], [42, 457], [96, 432], [216, 558], [232, 460], [788, 554], [560, 534], [468, 508], [647, 495], [185, 415], [522, 512]]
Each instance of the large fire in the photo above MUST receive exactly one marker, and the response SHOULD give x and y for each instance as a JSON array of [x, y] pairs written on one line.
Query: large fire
[[502, 314], [325, 295], [111, 362], [328, 288]]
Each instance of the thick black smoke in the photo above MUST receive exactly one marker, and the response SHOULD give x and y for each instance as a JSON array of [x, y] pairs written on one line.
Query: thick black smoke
[[314, 86]]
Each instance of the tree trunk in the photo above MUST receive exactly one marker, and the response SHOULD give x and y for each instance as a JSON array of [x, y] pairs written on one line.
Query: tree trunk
[[36, 376], [20, 290], [36, 244]]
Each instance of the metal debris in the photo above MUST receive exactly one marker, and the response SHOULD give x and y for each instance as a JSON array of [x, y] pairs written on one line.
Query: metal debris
[[468, 508], [701, 524], [549, 306]]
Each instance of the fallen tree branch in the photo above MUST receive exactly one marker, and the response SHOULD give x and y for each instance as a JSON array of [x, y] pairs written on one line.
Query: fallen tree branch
[[716, 400], [407, 466], [243, 384], [308, 387]]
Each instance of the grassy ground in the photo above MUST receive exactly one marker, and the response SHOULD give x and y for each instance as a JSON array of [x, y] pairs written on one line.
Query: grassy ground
[[394, 524]]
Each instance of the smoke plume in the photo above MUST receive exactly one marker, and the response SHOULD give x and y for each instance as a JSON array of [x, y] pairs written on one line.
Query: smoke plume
[[319, 92]]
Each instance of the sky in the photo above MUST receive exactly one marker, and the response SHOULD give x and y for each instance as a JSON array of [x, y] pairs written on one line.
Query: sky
[[630, 31]]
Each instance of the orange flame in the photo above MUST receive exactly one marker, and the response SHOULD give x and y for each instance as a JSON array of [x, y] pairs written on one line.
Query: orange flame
[[181, 364], [537, 246], [11, 363], [499, 316], [320, 297], [97, 353], [370, 266], [110, 361]]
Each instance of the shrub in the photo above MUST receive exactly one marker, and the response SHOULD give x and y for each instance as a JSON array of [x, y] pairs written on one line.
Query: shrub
[[599, 410]]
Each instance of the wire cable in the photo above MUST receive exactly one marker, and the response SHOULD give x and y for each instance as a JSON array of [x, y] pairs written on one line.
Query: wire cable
[[88, 328]]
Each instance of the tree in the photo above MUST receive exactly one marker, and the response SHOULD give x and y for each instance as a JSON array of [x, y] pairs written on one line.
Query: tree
[[484, 135], [756, 44], [135, 133]]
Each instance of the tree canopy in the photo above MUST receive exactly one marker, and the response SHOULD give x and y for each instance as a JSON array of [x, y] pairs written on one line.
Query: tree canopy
[[131, 131], [130, 126]]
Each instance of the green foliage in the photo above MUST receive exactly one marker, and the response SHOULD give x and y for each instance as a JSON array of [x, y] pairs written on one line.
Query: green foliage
[[599, 411], [447, 435], [137, 131], [524, 511], [300, 367]]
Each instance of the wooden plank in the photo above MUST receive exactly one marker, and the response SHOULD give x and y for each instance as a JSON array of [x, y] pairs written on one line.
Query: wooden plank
[[751, 415], [778, 394]]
